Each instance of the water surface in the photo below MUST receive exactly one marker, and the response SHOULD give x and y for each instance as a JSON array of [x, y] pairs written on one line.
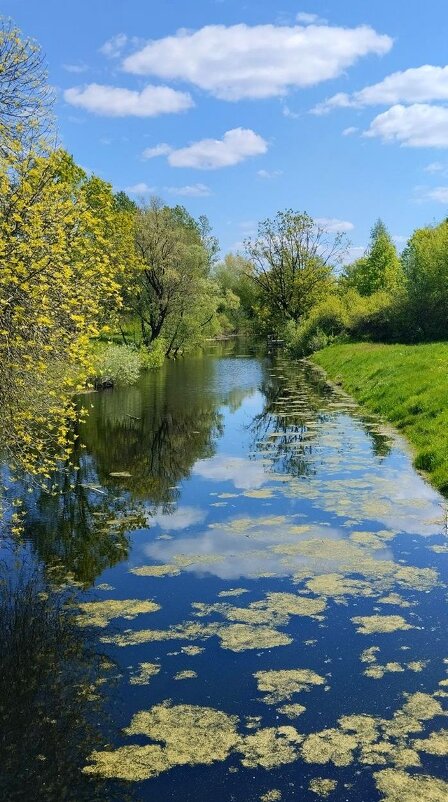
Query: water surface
[[262, 577]]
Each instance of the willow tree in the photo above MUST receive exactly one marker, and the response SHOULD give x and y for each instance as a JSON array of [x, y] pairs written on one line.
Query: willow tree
[[292, 260]]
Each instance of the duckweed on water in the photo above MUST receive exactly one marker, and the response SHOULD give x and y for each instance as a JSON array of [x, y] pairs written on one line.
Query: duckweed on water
[[192, 651], [271, 796], [399, 786], [270, 747], [155, 570], [98, 614], [188, 674], [146, 672], [322, 787], [436, 744], [280, 685], [372, 624], [233, 592], [240, 637], [291, 711]]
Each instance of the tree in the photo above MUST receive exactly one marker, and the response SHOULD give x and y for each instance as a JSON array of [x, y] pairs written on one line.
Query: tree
[[425, 265], [379, 270], [171, 292], [292, 258], [238, 291], [25, 96], [63, 249]]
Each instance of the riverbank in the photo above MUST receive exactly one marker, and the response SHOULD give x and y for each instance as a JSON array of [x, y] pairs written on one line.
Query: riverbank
[[408, 385]]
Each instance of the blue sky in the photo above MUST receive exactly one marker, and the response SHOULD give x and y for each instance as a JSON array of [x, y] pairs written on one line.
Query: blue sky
[[238, 109]]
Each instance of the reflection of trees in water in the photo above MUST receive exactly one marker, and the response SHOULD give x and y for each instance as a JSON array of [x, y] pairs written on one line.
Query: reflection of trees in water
[[296, 401], [53, 690], [156, 430]]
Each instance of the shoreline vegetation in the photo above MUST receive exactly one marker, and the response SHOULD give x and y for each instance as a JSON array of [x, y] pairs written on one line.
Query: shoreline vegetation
[[406, 385]]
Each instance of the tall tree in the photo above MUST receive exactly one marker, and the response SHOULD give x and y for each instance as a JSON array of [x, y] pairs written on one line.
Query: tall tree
[[379, 270], [425, 264], [292, 258]]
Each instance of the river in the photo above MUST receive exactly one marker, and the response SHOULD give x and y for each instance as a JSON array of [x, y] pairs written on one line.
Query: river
[[261, 580]]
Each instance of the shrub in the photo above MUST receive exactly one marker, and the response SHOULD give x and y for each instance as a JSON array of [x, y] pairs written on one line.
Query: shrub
[[326, 321], [118, 364], [154, 356]]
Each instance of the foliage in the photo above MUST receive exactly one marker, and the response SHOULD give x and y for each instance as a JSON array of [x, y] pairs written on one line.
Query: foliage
[[379, 270], [292, 259], [175, 255], [425, 262], [238, 293], [153, 357], [119, 364], [328, 319], [408, 385]]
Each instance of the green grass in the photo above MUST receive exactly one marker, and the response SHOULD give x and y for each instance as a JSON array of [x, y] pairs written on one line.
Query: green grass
[[408, 385]]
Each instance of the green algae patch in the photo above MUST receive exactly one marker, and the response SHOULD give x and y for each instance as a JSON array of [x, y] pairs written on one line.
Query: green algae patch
[[275, 609], [187, 631], [185, 735], [281, 685], [422, 706], [291, 711], [192, 651], [322, 787], [155, 570], [232, 592], [266, 492], [399, 786], [100, 613], [373, 624], [329, 746], [274, 795], [187, 674], [435, 744], [270, 747], [239, 637], [145, 673], [338, 586]]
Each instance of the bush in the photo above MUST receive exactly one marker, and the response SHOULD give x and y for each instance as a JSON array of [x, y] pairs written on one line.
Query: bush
[[116, 364], [325, 322], [153, 357]]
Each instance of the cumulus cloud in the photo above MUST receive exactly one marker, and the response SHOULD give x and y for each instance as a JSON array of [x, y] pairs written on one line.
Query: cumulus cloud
[[140, 189], [181, 518], [191, 191], [335, 226], [269, 173], [243, 473], [352, 129], [242, 61], [417, 126], [211, 154], [415, 85], [113, 101]]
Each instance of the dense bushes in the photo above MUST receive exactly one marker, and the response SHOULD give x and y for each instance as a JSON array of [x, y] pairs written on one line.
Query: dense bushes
[[120, 365]]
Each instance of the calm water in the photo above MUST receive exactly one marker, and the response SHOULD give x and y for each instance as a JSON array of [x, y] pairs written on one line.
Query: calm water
[[262, 582]]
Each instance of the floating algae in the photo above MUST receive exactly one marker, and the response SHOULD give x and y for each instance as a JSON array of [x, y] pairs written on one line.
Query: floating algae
[[233, 592], [435, 744], [372, 624], [399, 786], [192, 651], [275, 609], [147, 671], [329, 746], [188, 631], [280, 685], [369, 655], [270, 747], [292, 710], [322, 787], [190, 735], [188, 674], [99, 613], [240, 637], [155, 570], [271, 796]]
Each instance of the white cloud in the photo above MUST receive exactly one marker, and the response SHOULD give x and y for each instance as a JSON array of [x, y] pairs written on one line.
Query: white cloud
[[75, 68], [262, 61], [350, 130], [287, 112], [191, 191], [181, 518], [416, 85], [309, 19], [113, 101], [437, 194], [435, 167], [114, 46], [243, 473], [140, 189], [417, 126], [269, 173], [211, 154], [158, 150], [334, 226]]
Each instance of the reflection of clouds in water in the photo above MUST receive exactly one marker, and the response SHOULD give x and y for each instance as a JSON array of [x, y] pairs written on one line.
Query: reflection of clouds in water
[[248, 552], [245, 474], [181, 518]]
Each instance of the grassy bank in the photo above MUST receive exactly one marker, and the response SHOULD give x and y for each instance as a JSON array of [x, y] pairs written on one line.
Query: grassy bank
[[408, 385]]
